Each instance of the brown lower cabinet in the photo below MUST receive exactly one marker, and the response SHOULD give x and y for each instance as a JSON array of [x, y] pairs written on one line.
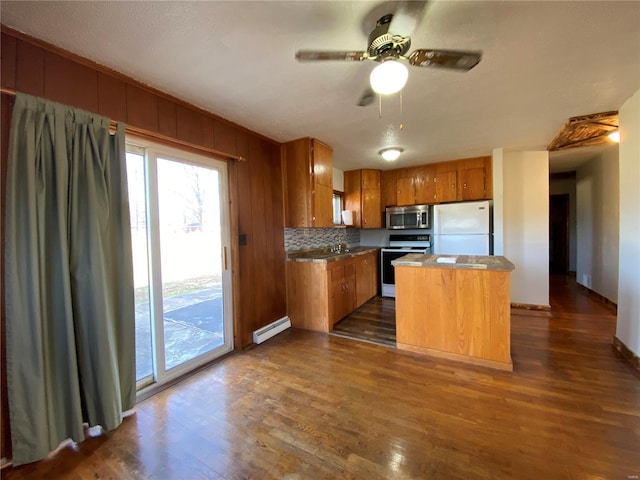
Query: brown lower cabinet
[[320, 294]]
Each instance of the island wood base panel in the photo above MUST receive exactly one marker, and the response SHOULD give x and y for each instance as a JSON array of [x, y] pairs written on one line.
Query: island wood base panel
[[483, 362], [461, 312]]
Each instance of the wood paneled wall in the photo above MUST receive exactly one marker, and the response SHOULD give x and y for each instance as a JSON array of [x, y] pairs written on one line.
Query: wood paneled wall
[[34, 67]]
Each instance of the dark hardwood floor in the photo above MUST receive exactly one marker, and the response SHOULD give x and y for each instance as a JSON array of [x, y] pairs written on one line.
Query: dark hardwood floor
[[375, 322], [312, 406]]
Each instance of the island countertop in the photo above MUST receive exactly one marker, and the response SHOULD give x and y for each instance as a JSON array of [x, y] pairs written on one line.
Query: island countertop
[[481, 262]]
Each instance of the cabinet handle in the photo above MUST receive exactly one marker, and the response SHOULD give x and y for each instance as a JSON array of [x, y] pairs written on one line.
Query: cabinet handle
[[465, 185]]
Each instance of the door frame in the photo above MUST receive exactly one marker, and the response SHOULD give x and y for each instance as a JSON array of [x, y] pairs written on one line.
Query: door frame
[[566, 210], [152, 152]]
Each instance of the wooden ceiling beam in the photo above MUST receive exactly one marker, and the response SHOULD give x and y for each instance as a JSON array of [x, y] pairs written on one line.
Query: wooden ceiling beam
[[585, 130]]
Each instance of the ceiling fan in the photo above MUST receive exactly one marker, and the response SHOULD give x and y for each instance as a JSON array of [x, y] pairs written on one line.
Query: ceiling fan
[[388, 44]]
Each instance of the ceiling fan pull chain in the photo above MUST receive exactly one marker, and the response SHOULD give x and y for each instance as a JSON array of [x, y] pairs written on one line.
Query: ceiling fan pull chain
[[379, 105], [401, 111]]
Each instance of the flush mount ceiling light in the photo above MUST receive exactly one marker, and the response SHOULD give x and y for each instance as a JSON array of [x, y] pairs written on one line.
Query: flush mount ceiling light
[[389, 77], [390, 154]]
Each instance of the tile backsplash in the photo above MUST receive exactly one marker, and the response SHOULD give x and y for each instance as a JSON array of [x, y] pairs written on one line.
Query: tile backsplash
[[306, 238]]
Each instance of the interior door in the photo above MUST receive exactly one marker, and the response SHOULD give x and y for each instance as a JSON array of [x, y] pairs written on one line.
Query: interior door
[[559, 233]]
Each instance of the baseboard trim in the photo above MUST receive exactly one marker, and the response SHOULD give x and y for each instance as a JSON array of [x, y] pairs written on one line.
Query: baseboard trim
[[599, 297], [626, 353], [529, 306], [483, 362]]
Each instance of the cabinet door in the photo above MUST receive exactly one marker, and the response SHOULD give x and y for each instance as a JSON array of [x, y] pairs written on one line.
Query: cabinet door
[[406, 191], [389, 188], [366, 278], [323, 206], [322, 163], [353, 195], [350, 286], [337, 292], [342, 277], [371, 179], [446, 186], [425, 187], [297, 179], [371, 210], [472, 183]]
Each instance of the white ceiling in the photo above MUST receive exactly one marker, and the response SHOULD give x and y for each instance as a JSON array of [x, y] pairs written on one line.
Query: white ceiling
[[543, 62]]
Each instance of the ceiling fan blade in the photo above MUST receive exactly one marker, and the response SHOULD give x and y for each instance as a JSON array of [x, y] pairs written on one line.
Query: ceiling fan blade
[[406, 18], [454, 59], [314, 55], [367, 97]]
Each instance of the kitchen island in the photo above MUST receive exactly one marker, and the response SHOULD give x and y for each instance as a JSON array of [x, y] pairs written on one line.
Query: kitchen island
[[455, 307]]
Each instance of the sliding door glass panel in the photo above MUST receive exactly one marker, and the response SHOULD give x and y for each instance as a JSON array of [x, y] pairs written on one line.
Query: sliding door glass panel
[[191, 260], [138, 214]]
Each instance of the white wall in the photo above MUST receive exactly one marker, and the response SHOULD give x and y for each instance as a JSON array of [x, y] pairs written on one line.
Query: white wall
[[559, 186], [597, 200], [498, 202], [628, 326], [338, 180], [525, 222]]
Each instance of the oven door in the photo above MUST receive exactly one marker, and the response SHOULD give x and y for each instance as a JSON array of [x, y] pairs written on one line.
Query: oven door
[[387, 273]]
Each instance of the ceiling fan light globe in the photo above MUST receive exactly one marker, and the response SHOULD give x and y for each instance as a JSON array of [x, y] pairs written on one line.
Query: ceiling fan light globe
[[389, 77]]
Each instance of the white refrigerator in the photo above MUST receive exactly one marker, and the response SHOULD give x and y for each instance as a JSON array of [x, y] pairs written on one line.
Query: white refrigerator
[[462, 228]]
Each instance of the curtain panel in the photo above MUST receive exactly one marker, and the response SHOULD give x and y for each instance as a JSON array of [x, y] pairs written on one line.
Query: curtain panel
[[68, 277]]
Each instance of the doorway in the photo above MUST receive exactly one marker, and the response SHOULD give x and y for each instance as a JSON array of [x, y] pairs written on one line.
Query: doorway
[[180, 242], [559, 233]]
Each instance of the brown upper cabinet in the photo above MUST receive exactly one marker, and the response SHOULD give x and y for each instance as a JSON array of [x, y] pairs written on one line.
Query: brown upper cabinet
[[458, 180], [446, 182], [388, 188], [307, 168], [406, 189], [362, 196]]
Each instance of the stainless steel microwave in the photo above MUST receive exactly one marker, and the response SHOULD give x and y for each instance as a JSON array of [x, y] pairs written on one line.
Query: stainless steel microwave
[[414, 216]]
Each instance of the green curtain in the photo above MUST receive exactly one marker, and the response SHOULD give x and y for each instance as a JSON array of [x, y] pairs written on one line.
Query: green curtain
[[68, 277]]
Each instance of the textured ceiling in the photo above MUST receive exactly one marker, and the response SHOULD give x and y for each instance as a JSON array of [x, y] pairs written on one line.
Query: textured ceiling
[[543, 63]]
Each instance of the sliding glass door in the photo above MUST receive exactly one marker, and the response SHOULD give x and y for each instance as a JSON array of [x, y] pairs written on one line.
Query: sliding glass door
[[180, 235]]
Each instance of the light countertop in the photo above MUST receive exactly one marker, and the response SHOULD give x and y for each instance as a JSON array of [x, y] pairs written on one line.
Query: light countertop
[[478, 262]]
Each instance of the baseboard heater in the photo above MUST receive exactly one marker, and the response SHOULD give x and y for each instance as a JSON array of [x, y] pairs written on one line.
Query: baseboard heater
[[268, 331]]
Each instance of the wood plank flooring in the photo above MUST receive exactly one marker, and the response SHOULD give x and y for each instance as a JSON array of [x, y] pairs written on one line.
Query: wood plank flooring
[[307, 405], [375, 321]]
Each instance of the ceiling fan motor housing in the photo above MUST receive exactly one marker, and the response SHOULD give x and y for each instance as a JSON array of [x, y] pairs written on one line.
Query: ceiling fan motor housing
[[383, 45]]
